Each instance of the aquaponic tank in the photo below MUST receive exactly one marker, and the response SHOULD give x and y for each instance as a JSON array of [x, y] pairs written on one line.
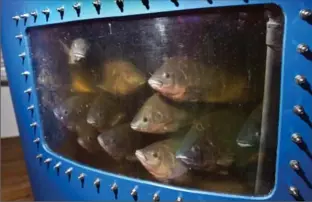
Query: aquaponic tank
[[162, 100]]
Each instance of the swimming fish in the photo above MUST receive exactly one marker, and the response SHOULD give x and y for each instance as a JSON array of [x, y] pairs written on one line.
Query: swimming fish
[[121, 78], [87, 136], [250, 133], [120, 142], [160, 161], [183, 79], [106, 111], [210, 143], [73, 109], [77, 51], [159, 116]]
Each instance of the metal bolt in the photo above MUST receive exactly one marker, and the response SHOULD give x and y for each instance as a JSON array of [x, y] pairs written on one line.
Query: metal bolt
[[77, 6], [114, 187], [22, 55], [300, 80], [25, 73], [69, 171], [46, 11], [294, 164], [305, 14], [61, 9], [34, 13], [37, 140], [20, 36], [31, 107], [27, 90], [179, 199], [24, 16], [58, 165], [39, 156], [298, 110], [97, 3], [48, 160], [34, 124], [156, 197], [303, 48], [81, 176], [16, 18], [296, 138], [134, 192], [97, 182], [294, 191]]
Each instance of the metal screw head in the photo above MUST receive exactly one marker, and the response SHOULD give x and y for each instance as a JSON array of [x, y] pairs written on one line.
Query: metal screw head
[[58, 165], [81, 176], [77, 6], [303, 48], [39, 156], [296, 138], [156, 197], [61, 9], [31, 107], [305, 14], [68, 171], [293, 191], [16, 18], [22, 55], [48, 160], [134, 192], [114, 187], [34, 14], [97, 182], [27, 90], [96, 3], [46, 11], [300, 80], [36, 140], [179, 199], [294, 164], [26, 15], [25, 73], [20, 36], [298, 110]]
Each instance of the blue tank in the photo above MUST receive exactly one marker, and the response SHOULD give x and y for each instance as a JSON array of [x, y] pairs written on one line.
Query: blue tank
[[162, 99]]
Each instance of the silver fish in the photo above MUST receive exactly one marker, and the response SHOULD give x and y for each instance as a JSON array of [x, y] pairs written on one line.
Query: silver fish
[[77, 50]]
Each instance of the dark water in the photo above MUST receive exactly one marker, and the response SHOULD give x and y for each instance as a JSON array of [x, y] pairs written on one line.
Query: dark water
[[232, 37]]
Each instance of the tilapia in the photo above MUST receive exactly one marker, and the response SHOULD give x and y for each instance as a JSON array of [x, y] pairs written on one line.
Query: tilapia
[[77, 51], [73, 109], [184, 79], [210, 143], [160, 161], [159, 116], [87, 136], [120, 142], [106, 111], [121, 78], [249, 135]]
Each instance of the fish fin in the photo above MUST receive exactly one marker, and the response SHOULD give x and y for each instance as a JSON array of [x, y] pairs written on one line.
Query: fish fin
[[189, 139], [118, 118], [65, 47]]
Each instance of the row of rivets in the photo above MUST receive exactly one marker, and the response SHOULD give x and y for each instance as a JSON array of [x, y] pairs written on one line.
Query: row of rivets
[[120, 3], [300, 80]]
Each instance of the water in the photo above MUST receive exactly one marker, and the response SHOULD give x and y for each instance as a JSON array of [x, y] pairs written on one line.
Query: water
[[135, 47]]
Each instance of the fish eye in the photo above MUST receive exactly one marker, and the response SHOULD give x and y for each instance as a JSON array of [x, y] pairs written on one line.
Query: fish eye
[[166, 75], [195, 149], [155, 155], [65, 112], [145, 119]]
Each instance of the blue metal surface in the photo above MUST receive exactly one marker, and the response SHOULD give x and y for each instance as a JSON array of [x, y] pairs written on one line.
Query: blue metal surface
[[44, 180]]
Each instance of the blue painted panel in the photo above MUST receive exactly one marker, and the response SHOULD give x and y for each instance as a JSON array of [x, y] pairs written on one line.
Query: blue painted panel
[[44, 179]]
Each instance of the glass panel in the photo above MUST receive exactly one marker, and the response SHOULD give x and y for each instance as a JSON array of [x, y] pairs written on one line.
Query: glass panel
[[173, 98]]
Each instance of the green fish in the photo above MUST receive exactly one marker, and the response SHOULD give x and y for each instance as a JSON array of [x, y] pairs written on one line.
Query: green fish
[[87, 137]]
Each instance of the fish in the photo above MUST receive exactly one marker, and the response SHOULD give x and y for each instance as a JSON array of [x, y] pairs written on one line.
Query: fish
[[250, 133], [77, 51], [159, 160], [185, 80], [121, 78], [210, 143], [87, 136], [160, 117], [106, 111], [73, 109], [121, 142], [82, 82]]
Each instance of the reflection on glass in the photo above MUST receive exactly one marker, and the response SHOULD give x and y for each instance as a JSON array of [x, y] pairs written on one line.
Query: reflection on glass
[[174, 99]]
